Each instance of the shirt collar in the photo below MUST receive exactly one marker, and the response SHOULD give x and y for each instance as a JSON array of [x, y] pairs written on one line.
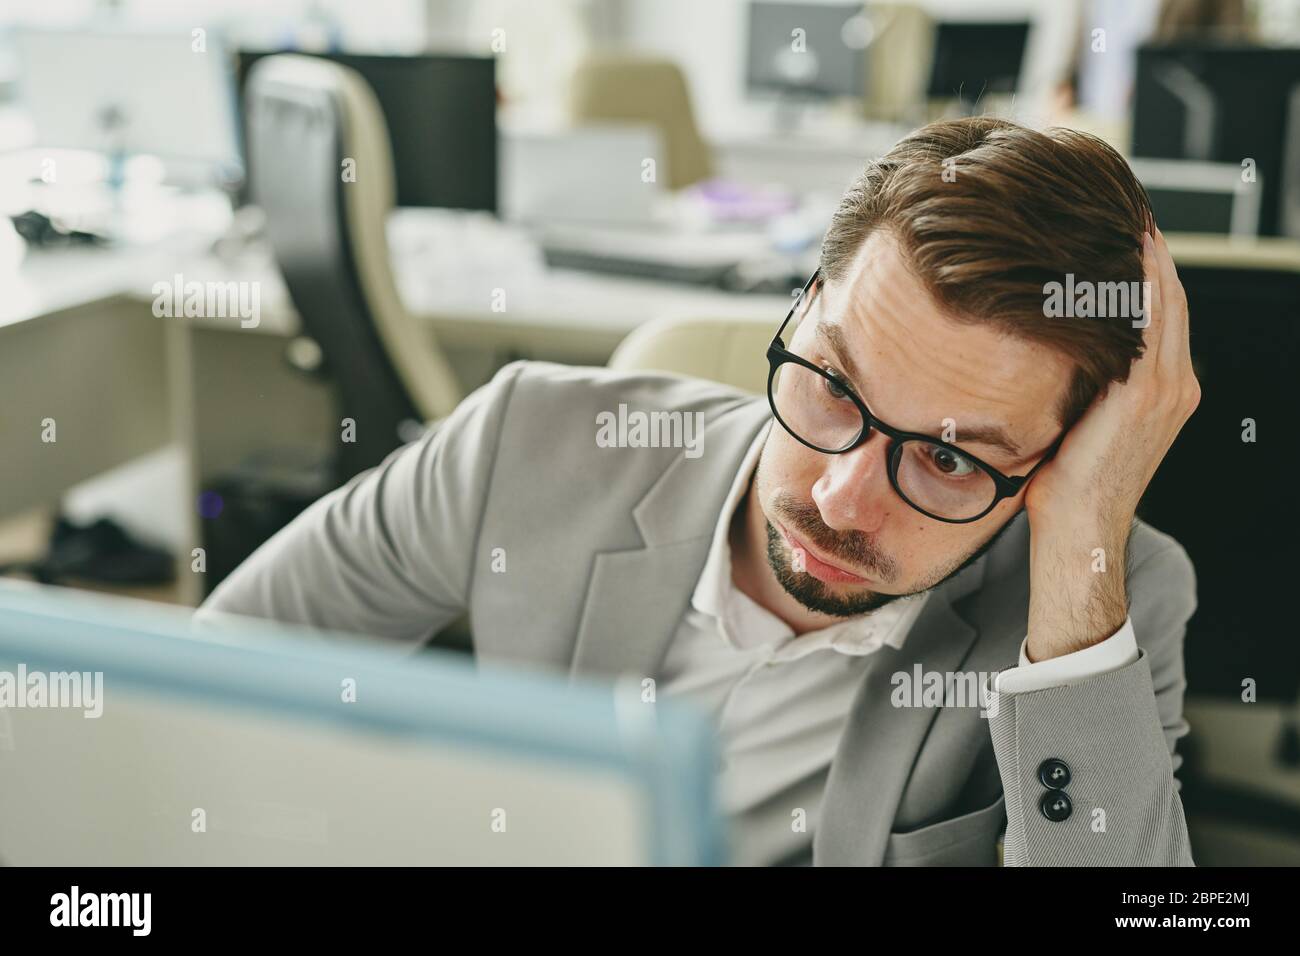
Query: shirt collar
[[714, 584]]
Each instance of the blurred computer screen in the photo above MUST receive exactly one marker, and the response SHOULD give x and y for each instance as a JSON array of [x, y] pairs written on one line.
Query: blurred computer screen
[[99, 91], [441, 115], [1225, 103], [807, 48], [239, 742], [974, 59]]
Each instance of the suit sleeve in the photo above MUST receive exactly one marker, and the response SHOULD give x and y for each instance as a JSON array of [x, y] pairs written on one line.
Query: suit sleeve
[[391, 553], [1116, 732]]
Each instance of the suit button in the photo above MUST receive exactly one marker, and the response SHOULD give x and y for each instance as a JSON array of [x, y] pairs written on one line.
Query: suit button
[[1053, 774], [1055, 805]]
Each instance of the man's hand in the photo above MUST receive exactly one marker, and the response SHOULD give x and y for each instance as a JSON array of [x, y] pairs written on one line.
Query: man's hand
[[1087, 496]]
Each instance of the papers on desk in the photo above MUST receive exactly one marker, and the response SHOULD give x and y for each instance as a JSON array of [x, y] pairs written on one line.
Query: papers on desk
[[669, 247], [446, 260]]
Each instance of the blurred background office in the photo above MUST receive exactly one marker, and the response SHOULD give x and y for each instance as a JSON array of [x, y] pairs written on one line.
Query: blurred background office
[[249, 247]]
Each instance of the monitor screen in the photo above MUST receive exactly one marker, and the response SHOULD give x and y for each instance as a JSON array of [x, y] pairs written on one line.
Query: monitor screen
[[172, 740], [110, 101], [974, 59], [441, 115], [1225, 103], [815, 48], [1185, 210]]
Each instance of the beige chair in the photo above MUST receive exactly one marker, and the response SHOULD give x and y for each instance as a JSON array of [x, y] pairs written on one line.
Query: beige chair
[[731, 351], [898, 61], [628, 88]]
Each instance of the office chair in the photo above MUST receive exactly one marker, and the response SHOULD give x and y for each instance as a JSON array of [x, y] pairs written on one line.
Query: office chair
[[732, 351], [640, 89], [898, 61], [322, 171]]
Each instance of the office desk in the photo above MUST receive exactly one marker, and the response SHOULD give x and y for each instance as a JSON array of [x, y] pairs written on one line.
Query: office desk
[[1242, 803], [79, 344], [77, 350], [820, 158], [1204, 250], [570, 315]]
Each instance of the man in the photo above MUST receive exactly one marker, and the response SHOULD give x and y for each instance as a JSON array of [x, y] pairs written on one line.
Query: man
[[946, 491]]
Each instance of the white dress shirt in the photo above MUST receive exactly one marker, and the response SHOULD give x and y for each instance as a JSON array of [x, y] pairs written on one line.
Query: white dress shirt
[[779, 701]]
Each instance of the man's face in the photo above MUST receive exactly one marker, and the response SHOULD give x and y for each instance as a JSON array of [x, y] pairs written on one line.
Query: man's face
[[914, 368]]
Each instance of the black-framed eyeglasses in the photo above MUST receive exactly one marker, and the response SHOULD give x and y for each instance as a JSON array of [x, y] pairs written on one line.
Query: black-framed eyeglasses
[[821, 410]]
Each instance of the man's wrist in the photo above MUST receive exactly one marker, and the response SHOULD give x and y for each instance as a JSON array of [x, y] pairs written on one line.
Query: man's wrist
[[1077, 583]]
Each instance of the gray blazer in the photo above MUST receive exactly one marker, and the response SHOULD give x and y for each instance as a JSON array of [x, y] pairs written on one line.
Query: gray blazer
[[602, 548]]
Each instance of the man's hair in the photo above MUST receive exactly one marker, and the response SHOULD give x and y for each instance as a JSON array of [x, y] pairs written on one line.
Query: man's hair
[[1017, 209]]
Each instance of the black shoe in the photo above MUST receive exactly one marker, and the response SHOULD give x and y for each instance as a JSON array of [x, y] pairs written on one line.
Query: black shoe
[[103, 552]]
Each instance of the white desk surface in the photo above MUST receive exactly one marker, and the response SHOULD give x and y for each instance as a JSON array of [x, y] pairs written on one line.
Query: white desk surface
[[861, 140], [52, 281], [1233, 252], [560, 299]]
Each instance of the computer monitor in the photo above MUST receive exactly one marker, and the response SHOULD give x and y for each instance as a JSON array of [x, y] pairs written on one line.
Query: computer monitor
[[1289, 214], [440, 110], [1188, 196], [167, 94], [974, 59], [1222, 103], [814, 49], [131, 736], [1221, 499], [583, 174], [1229, 103]]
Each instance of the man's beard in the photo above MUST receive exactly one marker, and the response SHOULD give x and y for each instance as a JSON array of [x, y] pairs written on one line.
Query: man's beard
[[856, 550]]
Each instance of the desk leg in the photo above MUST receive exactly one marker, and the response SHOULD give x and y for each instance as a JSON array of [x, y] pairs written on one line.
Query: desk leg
[[184, 427]]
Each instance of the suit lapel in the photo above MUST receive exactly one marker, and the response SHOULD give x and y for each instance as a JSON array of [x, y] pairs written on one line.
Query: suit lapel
[[636, 597], [880, 742], [979, 613]]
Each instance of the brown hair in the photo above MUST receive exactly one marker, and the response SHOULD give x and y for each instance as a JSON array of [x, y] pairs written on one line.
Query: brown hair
[[1017, 209]]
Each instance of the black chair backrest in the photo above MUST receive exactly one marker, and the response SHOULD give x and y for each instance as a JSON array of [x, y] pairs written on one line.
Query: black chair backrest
[[297, 144]]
